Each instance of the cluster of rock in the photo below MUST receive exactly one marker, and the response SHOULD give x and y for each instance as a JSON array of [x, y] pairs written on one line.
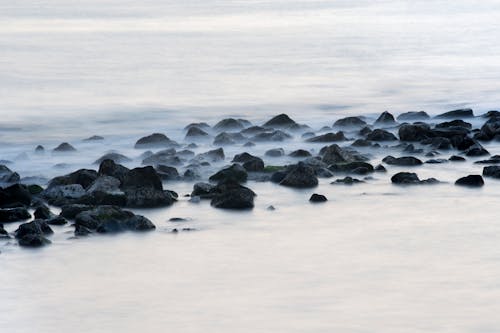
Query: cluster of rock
[[95, 199]]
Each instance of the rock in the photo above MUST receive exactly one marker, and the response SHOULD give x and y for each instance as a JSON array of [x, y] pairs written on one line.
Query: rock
[[308, 135], [280, 121], [15, 196], [110, 168], [229, 124], [81, 231], [271, 136], [203, 126], [226, 139], [72, 210], [300, 153], [42, 212], [470, 181], [32, 234], [231, 195], [115, 157], [195, 133], [203, 190], [380, 168], [410, 149], [318, 198], [351, 166], [402, 161], [8, 176], [323, 173], [410, 178], [461, 113], [33, 240], [385, 118], [436, 161], [350, 122], [347, 181], [60, 195], [211, 156], [64, 148], [249, 144], [155, 140], [361, 143], [56, 220], [110, 219], [456, 158], [493, 160], [300, 176], [165, 156], [105, 183], [3, 233], [167, 172], [14, 215], [235, 173], [328, 137], [438, 143], [415, 132], [381, 135], [39, 149], [143, 188], [413, 115], [94, 138], [365, 131], [454, 123], [254, 165], [492, 171], [83, 177], [334, 154], [191, 174], [253, 130], [178, 219], [476, 150], [276, 152]]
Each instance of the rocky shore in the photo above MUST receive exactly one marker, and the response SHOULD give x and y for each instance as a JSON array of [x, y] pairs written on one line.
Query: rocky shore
[[103, 199]]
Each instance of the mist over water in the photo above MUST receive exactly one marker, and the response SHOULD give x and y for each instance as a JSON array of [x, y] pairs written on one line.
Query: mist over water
[[376, 257]]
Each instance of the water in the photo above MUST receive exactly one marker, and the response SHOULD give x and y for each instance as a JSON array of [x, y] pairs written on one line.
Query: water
[[375, 257]]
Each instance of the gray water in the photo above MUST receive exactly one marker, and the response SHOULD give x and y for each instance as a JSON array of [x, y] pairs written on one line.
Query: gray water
[[376, 257]]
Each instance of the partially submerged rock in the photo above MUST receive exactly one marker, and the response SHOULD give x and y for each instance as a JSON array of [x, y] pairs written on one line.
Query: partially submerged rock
[[470, 181], [111, 219]]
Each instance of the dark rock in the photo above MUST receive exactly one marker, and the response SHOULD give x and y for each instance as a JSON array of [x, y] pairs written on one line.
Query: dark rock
[[253, 130], [492, 171], [300, 153], [308, 135], [56, 220], [72, 210], [98, 198], [454, 123], [456, 158], [8, 176], [415, 132], [155, 140], [143, 188], [39, 149], [211, 156], [347, 181], [231, 195], [334, 154], [36, 227], [203, 126], [254, 165], [493, 160], [229, 124], [196, 133], [3, 233], [365, 131], [461, 113], [381, 135], [191, 174], [323, 173], [385, 118], [328, 137], [249, 144], [42, 212], [476, 150], [64, 148], [81, 231], [280, 121], [271, 136], [317, 198], [402, 161], [203, 190], [436, 161], [33, 240], [225, 139], [276, 152], [300, 176], [167, 172], [166, 156], [60, 195], [14, 196], [94, 138], [351, 166], [110, 168], [115, 157], [470, 181], [361, 143], [410, 178], [110, 219], [350, 122], [235, 173], [83, 177], [413, 115], [14, 215], [438, 143]]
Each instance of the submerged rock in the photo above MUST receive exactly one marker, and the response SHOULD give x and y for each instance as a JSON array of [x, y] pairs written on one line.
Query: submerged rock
[[385, 118], [7, 175], [350, 122], [347, 181], [318, 198], [413, 115], [155, 140], [14, 215], [276, 152], [334, 154], [64, 148], [402, 161], [460, 113], [492, 171], [280, 121], [299, 176], [235, 173], [470, 181], [231, 195], [381, 135], [410, 178], [110, 219], [230, 124], [115, 157], [328, 137]]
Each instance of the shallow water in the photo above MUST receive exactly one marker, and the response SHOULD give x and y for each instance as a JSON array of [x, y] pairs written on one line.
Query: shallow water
[[374, 257]]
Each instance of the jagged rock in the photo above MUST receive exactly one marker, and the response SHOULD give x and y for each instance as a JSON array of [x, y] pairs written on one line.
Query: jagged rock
[[470, 181]]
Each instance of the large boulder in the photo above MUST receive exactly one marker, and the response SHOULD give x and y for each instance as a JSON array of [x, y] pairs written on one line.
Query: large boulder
[[385, 118], [470, 181], [155, 140], [334, 154], [111, 219], [15, 196], [60, 195], [14, 215], [381, 135], [413, 115], [83, 177], [300, 176], [7, 175], [110, 168], [33, 234], [143, 188], [492, 171]]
